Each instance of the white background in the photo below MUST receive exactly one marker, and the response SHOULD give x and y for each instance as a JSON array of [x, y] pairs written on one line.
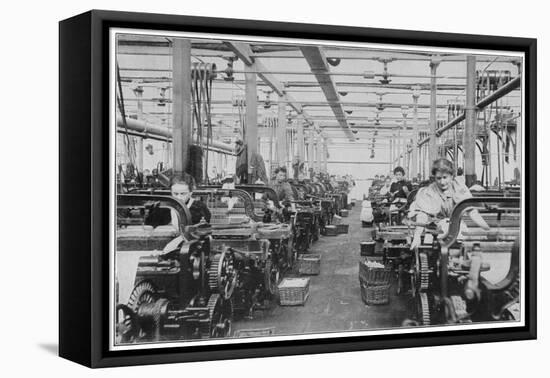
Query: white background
[[29, 161]]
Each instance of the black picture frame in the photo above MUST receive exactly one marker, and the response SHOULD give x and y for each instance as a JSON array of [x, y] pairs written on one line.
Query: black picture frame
[[84, 194]]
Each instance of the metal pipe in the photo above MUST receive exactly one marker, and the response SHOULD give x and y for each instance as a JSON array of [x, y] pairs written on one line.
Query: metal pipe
[[149, 130], [502, 91], [360, 74], [358, 162]]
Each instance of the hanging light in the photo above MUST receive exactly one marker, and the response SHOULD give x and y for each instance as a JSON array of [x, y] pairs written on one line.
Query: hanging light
[[267, 102], [380, 105], [404, 110], [229, 69], [333, 61], [385, 75], [162, 98], [416, 91]]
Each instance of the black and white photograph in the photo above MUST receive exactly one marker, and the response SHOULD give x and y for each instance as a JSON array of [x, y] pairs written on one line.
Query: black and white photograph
[[267, 189]]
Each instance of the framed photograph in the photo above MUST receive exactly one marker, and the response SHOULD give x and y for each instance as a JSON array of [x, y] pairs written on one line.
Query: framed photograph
[[235, 188]]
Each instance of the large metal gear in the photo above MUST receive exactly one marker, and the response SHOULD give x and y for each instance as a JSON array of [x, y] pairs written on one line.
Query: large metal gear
[[143, 292], [127, 323], [272, 276], [127, 328], [220, 316], [421, 277], [425, 309], [425, 272], [222, 275]]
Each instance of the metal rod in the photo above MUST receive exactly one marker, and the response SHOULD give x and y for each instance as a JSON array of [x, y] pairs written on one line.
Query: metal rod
[[469, 145], [348, 73], [433, 109], [502, 91]]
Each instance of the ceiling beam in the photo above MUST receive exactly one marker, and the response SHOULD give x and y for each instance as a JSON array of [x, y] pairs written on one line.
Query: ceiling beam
[[319, 67], [245, 53]]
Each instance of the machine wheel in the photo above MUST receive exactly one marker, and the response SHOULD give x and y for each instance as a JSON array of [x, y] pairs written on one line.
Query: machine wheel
[[222, 275], [424, 309], [220, 313], [422, 275], [144, 292], [127, 328], [272, 275]]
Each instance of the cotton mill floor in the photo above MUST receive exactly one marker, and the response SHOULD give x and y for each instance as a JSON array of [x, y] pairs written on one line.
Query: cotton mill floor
[[334, 302]]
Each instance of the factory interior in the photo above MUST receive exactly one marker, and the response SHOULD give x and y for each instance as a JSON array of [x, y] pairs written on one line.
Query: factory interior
[[269, 188]]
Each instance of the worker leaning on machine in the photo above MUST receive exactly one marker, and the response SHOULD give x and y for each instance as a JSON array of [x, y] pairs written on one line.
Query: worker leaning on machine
[[401, 187], [182, 189], [435, 202], [283, 189]]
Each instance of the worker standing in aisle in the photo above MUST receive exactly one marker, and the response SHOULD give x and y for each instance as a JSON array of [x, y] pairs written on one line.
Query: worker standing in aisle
[[241, 165]]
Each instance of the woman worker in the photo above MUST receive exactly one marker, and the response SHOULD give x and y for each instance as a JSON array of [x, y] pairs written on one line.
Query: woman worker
[[183, 190], [435, 202]]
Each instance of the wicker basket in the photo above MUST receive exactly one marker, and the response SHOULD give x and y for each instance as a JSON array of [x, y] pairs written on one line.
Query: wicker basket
[[293, 291], [342, 228], [309, 264], [375, 295], [259, 332], [368, 248], [331, 230], [344, 213], [374, 276]]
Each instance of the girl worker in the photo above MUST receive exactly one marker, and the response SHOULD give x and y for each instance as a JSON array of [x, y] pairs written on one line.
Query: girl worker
[[436, 201]]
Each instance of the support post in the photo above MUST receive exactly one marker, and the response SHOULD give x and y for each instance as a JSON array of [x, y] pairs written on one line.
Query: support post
[[469, 144], [300, 142], [281, 132], [138, 92], [325, 153], [317, 154], [433, 154], [391, 152], [251, 98], [310, 149], [181, 74], [399, 147], [415, 148]]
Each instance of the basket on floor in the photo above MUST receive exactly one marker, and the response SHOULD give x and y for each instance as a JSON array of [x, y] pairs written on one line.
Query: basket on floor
[[342, 228], [309, 263], [375, 295], [367, 248], [293, 291], [374, 276], [331, 230], [259, 332], [344, 213]]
